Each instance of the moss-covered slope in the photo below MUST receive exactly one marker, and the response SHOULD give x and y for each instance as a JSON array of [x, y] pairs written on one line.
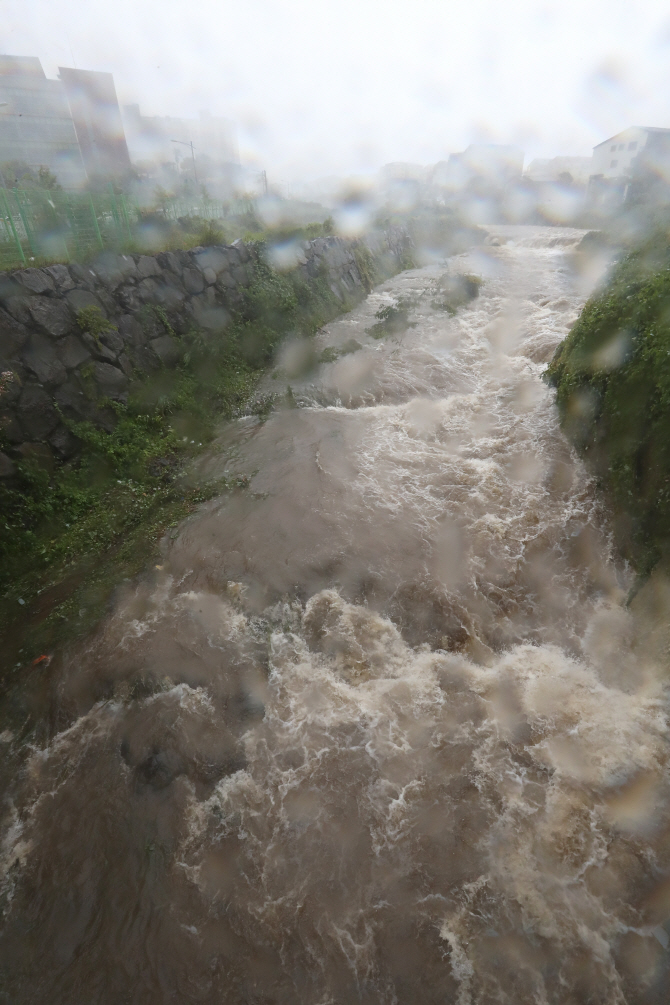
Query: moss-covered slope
[[612, 374]]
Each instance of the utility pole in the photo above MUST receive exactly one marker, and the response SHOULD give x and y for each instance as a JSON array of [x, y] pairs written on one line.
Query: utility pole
[[3, 104], [190, 144]]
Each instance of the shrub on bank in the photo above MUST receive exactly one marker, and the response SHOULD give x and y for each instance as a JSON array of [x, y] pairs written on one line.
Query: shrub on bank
[[612, 375]]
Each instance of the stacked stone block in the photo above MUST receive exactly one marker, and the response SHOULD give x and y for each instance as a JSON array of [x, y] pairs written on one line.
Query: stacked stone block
[[52, 369]]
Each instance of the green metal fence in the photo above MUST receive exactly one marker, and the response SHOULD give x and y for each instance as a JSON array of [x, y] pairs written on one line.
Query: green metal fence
[[36, 224], [204, 209], [61, 226]]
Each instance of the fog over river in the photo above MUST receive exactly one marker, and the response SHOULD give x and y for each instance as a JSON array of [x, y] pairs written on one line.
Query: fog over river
[[377, 728]]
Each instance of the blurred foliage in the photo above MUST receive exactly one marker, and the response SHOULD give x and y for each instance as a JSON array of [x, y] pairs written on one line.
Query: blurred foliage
[[366, 265], [454, 291], [22, 175], [612, 375], [393, 319], [157, 232], [92, 320], [283, 232], [211, 234], [276, 304], [146, 229], [48, 180], [624, 227], [332, 353]]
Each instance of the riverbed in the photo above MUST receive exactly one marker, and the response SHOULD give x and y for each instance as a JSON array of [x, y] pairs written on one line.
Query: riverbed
[[379, 726]]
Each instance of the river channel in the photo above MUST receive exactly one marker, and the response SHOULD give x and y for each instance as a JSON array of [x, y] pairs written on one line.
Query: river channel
[[379, 726]]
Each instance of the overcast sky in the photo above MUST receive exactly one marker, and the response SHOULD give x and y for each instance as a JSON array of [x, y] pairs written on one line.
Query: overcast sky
[[316, 87]]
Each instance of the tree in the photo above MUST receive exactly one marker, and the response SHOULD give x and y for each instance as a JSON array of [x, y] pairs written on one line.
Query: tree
[[47, 179]]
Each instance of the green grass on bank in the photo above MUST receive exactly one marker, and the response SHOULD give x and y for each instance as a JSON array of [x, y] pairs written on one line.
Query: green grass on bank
[[70, 533], [154, 232], [612, 375]]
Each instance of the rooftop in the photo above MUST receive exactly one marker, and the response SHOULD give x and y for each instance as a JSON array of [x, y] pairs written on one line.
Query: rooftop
[[646, 129]]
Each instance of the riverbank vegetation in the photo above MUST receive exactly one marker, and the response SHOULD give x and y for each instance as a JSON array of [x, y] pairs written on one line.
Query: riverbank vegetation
[[612, 375], [455, 290], [392, 319], [69, 533]]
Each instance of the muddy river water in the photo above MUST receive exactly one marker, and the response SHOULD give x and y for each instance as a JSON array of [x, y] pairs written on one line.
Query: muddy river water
[[379, 727]]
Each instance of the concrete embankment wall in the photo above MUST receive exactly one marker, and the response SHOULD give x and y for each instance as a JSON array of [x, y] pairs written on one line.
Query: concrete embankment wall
[[51, 369]]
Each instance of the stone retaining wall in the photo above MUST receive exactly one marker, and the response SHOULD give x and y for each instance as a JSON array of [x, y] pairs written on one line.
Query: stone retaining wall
[[51, 368]]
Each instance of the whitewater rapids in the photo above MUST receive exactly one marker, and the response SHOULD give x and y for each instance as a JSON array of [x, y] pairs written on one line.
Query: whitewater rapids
[[378, 728]]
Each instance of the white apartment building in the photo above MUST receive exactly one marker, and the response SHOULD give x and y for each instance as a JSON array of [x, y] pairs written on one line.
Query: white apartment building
[[36, 126], [622, 155]]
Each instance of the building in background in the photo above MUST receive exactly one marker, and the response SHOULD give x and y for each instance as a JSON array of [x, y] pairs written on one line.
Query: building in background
[[36, 126], [97, 121], [73, 128], [633, 166], [404, 185], [556, 169], [613, 158], [479, 180], [151, 138], [488, 165]]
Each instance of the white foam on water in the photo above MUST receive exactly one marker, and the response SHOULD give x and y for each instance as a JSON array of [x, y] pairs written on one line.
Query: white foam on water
[[404, 742]]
